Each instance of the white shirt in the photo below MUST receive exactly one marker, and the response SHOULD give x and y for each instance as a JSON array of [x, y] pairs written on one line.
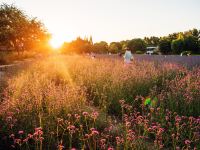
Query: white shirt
[[128, 56]]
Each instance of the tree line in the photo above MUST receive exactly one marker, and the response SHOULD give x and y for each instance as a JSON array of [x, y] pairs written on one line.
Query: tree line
[[174, 43], [20, 33]]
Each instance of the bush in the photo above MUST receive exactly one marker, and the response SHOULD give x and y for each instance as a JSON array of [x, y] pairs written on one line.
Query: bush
[[139, 52]]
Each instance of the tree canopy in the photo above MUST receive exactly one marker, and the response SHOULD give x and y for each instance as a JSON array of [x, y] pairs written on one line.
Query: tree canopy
[[20, 32]]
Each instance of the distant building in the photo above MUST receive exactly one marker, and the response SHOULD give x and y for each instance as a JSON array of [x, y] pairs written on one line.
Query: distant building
[[150, 50]]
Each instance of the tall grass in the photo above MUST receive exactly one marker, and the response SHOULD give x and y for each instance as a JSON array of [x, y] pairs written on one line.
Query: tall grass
[[108, 81], [62, 102]]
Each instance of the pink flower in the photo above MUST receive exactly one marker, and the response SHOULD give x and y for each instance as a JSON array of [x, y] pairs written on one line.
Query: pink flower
[[77, 116], [71, 129], [128, 124], [25, 140], [85, 114], [187, 142], [12, 136], [37, 129], [95, 115], [21, 132], [87, 136], [95, 132], [41, 139], [30, 136]]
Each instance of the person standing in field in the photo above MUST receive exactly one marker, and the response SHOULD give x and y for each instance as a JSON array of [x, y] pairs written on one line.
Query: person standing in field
[[128, 57]]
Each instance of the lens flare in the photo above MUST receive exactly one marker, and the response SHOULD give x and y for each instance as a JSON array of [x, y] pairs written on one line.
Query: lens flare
[[56, 43]]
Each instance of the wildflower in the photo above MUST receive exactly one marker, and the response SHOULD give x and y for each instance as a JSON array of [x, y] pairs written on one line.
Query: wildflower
[[102, 143], [41, 139], [85, 114], [87, 136], [25, 140], [187, 142], [149, 129], [95, 115], [77, 116], [59, 120], [95, 132], [9, 118], [177, 118], [12, 136], [37, 129], [121, 102], [18, 141], [128, 124], [30, 136], [71, 129], [119, 140], [166, 118], [21, 132]]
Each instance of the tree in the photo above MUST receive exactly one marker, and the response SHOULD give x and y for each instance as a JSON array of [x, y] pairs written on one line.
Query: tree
[[191, 44], [100, 47], [115, 47], [172, 36], [177, 46], [152, 41], [18, 31], [80, 45], [165, 46], [136, 45]]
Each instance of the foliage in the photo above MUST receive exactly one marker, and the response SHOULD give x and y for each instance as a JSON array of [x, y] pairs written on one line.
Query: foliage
[[139, 52], [191, 44], [177, 46], [152, 41], [115, 47], [18, 31], [136, 45], [100, 47], [165, 46], [79, 46]]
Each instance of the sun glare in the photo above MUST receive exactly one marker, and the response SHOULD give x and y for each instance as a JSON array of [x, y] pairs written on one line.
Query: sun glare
[[56, 43]]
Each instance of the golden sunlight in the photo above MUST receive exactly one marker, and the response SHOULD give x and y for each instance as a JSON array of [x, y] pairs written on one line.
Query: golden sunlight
[[56, 43]]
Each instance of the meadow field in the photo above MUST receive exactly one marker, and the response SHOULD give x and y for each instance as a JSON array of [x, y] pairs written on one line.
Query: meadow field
[[76, 102]]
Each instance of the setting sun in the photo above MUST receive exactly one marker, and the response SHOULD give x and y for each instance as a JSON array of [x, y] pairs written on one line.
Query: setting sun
[[56, 43]]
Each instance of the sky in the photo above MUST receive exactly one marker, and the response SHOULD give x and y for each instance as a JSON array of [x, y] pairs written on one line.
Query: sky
[[112, 20]]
